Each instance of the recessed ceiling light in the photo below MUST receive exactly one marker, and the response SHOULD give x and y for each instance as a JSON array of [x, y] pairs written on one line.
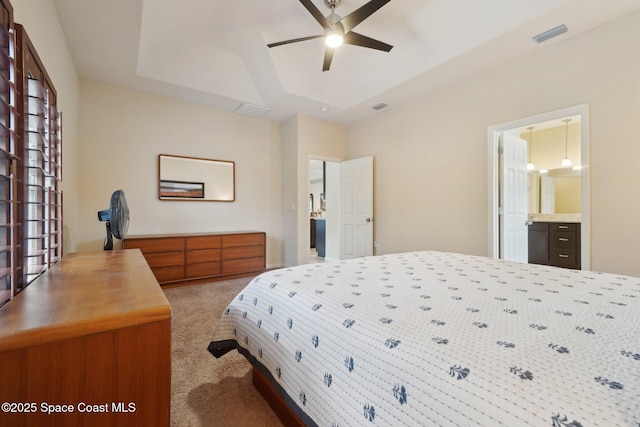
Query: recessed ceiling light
[[324, 109]]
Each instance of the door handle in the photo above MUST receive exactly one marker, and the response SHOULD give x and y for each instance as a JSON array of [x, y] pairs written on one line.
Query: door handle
[[369, 219]]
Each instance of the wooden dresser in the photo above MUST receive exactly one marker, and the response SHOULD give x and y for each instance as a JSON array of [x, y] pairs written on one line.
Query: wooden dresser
[[92, 335], [180, 257]]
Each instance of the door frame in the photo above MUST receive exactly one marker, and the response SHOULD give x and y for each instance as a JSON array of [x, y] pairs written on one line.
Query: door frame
[[493, 178]]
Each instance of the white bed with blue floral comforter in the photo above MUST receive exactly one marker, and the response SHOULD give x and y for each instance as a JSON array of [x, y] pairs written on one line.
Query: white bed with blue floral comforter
[[431, 338]]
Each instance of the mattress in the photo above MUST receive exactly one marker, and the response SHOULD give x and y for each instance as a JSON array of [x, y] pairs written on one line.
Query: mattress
[[431, 338]]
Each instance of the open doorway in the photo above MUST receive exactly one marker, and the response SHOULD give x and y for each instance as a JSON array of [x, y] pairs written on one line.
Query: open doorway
[[324, 213], [535, 194], [317, 210]]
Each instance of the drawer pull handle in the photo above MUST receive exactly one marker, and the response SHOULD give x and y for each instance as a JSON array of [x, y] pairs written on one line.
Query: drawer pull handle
[[564, 256], [564, 227], [562, 239]]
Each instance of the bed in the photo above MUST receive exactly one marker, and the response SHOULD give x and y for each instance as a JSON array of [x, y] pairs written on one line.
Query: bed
[[432, 338]]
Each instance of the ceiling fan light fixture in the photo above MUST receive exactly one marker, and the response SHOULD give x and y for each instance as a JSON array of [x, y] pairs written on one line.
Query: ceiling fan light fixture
[[338, 30], [334, 39]]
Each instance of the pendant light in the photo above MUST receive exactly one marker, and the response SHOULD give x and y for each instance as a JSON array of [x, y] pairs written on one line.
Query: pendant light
[[566, 162], [530, 165]]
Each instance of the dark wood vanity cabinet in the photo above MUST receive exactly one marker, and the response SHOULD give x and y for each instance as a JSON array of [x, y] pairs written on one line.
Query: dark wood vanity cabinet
[[555, 243], [565, 245], [539, 243]]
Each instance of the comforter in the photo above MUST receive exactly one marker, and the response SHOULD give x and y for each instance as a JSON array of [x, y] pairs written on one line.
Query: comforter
[[430, 338]]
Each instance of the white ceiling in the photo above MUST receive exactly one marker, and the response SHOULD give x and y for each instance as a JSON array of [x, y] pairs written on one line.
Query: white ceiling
[[214, 52]]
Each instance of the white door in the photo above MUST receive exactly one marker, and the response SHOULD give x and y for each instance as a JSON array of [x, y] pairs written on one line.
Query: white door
[[356, 219], [513, 233]]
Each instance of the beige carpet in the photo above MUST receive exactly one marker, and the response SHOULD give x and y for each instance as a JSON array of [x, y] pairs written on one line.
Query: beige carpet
[[206, 391]]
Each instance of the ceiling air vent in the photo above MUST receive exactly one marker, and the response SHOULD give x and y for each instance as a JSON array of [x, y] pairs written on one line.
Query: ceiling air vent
[[379, 106], [549, 34], [252, 110]]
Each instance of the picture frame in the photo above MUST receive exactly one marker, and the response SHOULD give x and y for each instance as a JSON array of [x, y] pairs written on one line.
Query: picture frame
[[181, 189]]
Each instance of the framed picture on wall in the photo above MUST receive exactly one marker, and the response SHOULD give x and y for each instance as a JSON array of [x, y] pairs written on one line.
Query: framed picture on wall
[[182, 189]]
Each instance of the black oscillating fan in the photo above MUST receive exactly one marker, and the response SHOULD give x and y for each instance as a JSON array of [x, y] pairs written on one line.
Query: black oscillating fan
[[116, 217]]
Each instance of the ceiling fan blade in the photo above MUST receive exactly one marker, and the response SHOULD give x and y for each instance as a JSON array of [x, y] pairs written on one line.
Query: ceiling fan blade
[[328, 56], [294, 40], [313, 10], [357, 39], [359, 15]]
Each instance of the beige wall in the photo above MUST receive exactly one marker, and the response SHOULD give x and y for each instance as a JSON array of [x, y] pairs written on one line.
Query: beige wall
[[122, 132], [38, 19], [431, 155]]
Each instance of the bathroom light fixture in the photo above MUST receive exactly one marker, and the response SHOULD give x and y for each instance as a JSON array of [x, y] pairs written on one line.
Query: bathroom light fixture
[[566, 162], [530, 165]]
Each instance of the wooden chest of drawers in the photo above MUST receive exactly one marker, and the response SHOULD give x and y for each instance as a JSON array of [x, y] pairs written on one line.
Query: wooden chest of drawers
[[174, 258], [94, 329]]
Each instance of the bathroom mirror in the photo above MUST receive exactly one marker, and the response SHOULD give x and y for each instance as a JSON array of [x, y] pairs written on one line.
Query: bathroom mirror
[[556, 192], [195, 179]]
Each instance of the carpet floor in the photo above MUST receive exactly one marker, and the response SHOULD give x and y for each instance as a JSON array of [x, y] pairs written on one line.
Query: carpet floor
[[206, 391]]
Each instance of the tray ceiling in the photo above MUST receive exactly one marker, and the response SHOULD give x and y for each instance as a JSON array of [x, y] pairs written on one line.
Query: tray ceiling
[[215, 53]]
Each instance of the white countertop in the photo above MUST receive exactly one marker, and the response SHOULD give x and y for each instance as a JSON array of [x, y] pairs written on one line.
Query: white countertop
[[555, 217]]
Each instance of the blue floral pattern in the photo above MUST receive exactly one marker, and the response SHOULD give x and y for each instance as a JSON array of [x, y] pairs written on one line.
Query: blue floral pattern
[[432, 338]]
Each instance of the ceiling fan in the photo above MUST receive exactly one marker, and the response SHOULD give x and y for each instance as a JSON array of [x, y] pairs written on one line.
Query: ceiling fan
[[337, 30]]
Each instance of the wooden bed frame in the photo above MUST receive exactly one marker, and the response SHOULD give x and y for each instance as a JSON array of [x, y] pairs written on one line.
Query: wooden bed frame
[[277, 403]]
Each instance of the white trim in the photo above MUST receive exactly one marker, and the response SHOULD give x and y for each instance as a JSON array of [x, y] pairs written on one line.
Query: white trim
[[492, 147]]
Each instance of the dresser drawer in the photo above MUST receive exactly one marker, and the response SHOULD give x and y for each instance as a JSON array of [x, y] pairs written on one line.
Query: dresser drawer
[[243, 240], [243, 265], [243, 252], [204, 242], [169, 274], [166, 259], [203, 255], [203, 269], [148, 246]]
